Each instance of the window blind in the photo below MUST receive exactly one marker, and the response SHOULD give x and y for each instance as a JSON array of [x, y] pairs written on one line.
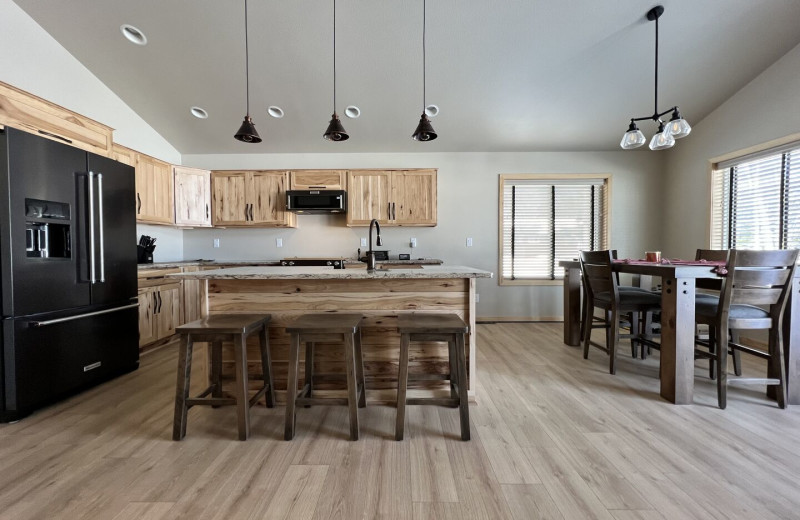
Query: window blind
[[756, 201], [545, 221]]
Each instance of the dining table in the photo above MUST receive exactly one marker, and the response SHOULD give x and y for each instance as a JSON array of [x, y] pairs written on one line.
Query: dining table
[[678, 285]]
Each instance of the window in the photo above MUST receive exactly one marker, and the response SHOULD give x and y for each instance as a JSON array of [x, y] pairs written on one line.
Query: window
[[548, 218], [755, 200]]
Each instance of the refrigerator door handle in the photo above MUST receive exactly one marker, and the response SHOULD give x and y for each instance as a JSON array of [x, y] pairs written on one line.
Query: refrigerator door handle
[[92, 273], [102, 229], [81, 316]]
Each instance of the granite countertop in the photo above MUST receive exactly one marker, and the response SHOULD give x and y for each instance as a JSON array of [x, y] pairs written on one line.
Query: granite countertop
[[189, 263], [299, 273]]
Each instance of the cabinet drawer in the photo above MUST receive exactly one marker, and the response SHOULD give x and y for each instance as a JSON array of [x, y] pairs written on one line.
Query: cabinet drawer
[[27, 112]]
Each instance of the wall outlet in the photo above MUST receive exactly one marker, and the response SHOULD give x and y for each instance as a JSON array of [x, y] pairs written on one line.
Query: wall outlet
[[216, 242], [363, 241], [469, 241], [477, 297], [278, 242], [413, 242]]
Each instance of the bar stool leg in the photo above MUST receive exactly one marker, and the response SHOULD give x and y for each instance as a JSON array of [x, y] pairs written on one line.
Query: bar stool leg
[[291, 386], [216, 370], [182, 388], [266, 365], [402, 386], [242, 401], [463, 399], [352, 384], [309, 364], [362, 399], [451, 352]]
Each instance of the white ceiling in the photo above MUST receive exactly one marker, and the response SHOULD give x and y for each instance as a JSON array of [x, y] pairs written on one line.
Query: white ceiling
[[509, 75]]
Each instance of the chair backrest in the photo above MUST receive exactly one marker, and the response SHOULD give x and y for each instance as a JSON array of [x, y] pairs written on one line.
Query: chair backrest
[[758, 278], [597, 273], [713, 255]]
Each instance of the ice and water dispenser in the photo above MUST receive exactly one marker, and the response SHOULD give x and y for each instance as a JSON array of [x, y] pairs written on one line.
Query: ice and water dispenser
[[47, 229]]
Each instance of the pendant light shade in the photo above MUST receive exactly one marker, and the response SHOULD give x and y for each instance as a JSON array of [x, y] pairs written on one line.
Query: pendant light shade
[[335, 131], [424, 131], [633, 138], [677, 126], [247, 132], [662, 140]]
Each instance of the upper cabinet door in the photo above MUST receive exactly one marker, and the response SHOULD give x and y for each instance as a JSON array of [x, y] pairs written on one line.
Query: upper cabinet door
[[230, 207], [192, 197], [414, 198], [266, 195], [368, 197], [317, 180], [154, 191], [123, 155]]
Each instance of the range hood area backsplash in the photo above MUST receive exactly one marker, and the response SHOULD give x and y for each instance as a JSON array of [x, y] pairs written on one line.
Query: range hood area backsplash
[[315, 236]]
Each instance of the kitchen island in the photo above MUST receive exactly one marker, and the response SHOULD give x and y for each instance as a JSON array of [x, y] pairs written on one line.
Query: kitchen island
[[380, 296]]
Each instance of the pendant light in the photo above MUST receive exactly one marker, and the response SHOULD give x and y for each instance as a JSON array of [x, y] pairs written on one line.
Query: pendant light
[[335, 131], [247, 132], [424, 131], [676, 128]]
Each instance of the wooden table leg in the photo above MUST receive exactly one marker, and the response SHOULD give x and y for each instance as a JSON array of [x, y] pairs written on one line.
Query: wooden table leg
[[677, 339], [572, 306], [791, 344]]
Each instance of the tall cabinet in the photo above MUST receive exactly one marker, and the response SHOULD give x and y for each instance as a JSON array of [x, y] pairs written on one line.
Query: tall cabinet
[[250, 198], [393, 197]]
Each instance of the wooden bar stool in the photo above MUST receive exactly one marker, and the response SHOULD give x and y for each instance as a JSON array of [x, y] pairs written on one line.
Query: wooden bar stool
[[434, 327], [315, 328], [215, 329]]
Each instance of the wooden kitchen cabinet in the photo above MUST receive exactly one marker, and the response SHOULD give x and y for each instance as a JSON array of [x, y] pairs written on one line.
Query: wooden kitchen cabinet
[[394, 197], [159, 312], [154, 191], [192, 197], [317, 180], [250, 198], [22, 110], [124, 155]]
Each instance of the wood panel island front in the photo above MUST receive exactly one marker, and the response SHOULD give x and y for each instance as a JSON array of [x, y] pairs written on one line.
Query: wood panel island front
[[380, 296]]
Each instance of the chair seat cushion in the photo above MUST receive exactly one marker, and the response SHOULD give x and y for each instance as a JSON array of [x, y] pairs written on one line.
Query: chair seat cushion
[[708, 308], [631, 297]]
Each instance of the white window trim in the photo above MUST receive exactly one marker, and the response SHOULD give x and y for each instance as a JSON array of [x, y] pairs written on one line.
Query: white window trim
[[503, 177]]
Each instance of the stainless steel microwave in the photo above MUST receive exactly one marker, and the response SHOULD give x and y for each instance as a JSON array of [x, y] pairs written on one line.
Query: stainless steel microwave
[[316, 201]]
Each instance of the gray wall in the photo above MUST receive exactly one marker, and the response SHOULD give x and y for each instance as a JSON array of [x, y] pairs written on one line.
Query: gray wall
[[468, 184], [767, 108]]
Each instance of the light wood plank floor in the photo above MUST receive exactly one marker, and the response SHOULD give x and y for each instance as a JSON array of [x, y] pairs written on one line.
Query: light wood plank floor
[[554, 436]]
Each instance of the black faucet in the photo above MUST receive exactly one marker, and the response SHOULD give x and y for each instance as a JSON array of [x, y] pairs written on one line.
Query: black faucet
[[371, 253]]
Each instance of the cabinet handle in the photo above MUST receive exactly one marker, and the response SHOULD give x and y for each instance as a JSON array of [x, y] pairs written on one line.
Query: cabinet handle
[[158, 306], [251, 212], [247, 212], [206, 211], [138, 203], [394, 214], [388, 211]]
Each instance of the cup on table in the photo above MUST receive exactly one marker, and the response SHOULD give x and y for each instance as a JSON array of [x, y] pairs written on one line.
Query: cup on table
[[652, 256]]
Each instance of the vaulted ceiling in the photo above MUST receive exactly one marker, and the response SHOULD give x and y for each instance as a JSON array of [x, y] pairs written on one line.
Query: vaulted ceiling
[[512, 75]]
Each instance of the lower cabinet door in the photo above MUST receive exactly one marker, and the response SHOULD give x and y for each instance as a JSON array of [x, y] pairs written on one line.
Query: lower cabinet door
[[147, 319], [168, 311]]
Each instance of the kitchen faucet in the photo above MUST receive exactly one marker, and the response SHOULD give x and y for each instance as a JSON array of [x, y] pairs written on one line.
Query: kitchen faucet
[[379, 242]]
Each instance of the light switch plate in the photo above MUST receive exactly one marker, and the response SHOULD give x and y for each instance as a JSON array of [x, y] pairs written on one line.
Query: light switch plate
[[278, 242], [363, 241], [216, 242], [469, 241], [413, 242]]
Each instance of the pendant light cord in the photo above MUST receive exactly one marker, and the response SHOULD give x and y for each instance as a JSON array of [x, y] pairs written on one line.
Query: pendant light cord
[[424, 10], [246, 59], [334, 56], [655, 108]]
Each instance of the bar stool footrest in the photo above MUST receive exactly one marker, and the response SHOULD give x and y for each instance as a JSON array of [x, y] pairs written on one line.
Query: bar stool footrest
[[210, 401]]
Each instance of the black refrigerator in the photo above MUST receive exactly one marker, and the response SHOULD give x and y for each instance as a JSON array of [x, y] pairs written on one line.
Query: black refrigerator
[[67, 271]]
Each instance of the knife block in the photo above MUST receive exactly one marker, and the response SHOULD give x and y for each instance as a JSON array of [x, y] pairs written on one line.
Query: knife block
[[143, 256]]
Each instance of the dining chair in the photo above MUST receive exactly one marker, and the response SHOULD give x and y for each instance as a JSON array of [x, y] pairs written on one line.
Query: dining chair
[[754, 279], [602, 291], [715, 285]]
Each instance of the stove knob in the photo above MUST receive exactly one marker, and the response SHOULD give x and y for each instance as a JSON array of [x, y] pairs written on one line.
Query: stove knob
[[291, 263], [329, 262]]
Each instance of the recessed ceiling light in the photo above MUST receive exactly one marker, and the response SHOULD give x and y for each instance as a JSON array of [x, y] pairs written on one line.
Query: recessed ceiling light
[[133, 34], [199, 113], [276, 112], [352, 112], [431, 110]]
